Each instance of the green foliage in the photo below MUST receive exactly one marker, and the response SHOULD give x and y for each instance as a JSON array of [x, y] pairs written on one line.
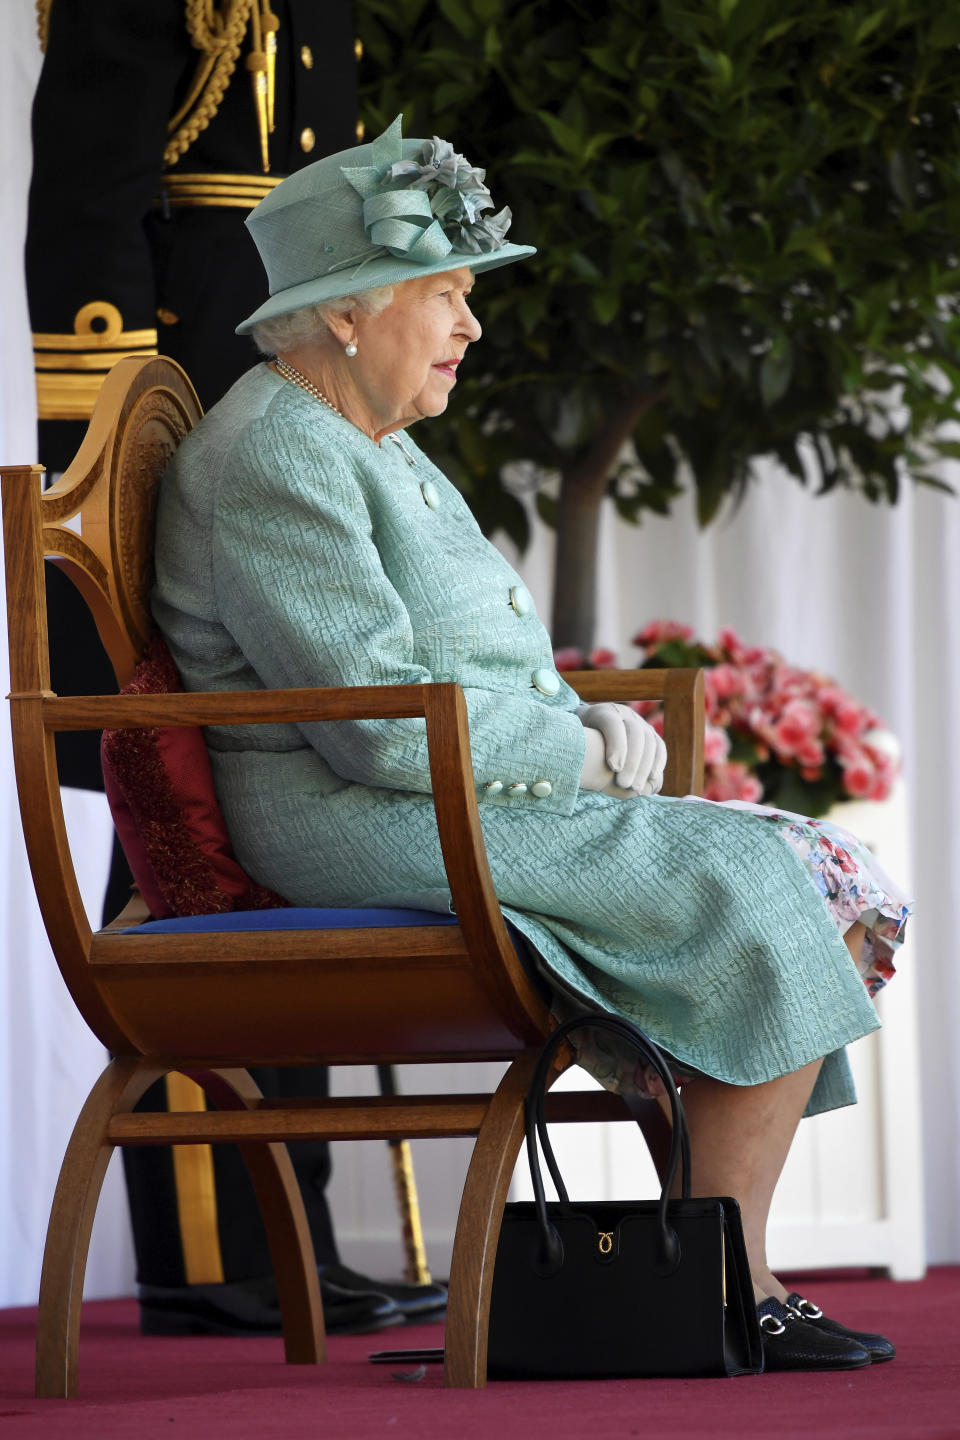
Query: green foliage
[[748, 207]]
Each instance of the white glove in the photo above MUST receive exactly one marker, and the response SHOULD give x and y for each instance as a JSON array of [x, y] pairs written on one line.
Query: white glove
[[633, 755]]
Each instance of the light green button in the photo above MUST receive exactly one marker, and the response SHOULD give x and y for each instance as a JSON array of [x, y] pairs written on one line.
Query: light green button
[[546, 681], [494, 787], [517, 789], [541, 788], [521, 599], [430, 494]]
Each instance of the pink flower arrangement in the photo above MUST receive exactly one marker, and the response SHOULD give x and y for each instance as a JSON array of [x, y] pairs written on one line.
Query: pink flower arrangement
[[789, 737]]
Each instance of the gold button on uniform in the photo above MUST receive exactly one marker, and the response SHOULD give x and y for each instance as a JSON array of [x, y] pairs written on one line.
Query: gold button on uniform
[[358, 50], [306, 57], [361, 131], [307, 140]]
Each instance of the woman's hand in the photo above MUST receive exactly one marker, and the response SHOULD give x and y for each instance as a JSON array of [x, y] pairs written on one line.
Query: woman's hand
[[629, 758]]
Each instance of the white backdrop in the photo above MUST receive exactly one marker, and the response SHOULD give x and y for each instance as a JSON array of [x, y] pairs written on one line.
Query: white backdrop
[[869, 595]]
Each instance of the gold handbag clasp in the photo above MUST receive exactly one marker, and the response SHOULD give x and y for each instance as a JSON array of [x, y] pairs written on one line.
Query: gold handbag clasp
[[605, 1241]]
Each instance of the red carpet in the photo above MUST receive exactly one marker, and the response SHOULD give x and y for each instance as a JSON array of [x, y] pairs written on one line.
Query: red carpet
[[134, 1388]]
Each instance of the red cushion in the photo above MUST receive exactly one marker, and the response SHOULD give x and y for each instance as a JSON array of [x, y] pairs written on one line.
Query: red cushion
[[160, 788]]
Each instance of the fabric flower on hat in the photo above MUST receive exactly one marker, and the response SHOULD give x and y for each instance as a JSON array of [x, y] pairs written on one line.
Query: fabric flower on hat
[[438, 164], [480, 236], [458, 196], [428, 205]]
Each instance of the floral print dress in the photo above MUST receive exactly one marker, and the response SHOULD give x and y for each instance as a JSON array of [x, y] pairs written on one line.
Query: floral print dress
[[854, 888]]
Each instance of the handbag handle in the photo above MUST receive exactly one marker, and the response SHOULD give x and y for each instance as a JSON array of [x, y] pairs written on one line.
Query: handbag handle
[[535, 1115]]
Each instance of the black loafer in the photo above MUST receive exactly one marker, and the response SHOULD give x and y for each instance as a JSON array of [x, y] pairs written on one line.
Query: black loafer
[[250, 1307], [878, 1347], [790, 1343], [415, 1302]]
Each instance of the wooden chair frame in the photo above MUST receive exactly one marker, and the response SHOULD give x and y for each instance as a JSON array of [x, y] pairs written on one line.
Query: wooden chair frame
[[210, 1005]]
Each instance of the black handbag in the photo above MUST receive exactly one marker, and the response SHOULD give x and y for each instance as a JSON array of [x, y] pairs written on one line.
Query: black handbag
[[619, 1288]]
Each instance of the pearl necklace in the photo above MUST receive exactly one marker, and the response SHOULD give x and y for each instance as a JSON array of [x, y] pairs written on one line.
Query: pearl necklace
[[289, 373]]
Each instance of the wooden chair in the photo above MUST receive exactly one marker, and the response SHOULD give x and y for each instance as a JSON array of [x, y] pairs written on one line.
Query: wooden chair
[[209, 1005]]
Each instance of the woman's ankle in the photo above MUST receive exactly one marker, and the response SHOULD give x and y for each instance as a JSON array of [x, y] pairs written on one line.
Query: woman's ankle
[[766, 1284]]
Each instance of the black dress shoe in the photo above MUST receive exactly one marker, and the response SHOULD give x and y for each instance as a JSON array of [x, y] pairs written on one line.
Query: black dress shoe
[[415, 1302], [790, 1343], [878, 1347], [250, 1307]]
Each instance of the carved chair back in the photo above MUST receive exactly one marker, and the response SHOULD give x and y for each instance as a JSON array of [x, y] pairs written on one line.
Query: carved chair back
[[96, 524], [97, 521]]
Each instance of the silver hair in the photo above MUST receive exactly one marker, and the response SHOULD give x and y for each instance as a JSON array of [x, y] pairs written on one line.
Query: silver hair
[[310, 323]]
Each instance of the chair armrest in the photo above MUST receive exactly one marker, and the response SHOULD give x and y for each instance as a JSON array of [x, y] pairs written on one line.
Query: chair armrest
[[684, 714], [444, 709], [233, 707], [681, 692]]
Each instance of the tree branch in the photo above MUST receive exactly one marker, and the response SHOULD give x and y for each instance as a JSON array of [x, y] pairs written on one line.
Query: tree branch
[[582, 489], [588, 476]]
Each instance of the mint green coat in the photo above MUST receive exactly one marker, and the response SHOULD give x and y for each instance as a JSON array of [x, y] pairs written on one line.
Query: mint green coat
[[293, 551]]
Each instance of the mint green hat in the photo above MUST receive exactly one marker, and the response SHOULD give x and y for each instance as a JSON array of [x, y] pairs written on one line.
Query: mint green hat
[[375, 215]]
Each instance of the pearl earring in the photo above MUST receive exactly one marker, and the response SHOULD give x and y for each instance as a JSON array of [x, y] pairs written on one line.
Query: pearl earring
[[350, 350]]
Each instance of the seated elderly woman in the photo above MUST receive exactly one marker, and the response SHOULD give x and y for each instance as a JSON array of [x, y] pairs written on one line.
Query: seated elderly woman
[[304, 539]]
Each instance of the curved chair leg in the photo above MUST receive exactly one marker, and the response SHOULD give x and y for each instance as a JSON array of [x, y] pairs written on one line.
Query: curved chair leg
[[478, 1227], [285, 1221], [118, 1089]]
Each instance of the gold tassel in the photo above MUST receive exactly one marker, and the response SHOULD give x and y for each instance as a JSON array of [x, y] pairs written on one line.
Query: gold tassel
[[257, 65], [217, 29], [270, 25]]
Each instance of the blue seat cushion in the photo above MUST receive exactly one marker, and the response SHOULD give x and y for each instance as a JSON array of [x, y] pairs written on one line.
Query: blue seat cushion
[[305, 918], [292, 918]]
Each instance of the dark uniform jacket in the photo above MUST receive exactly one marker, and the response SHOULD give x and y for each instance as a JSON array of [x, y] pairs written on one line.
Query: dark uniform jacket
[[110, 221], [116, 230], [130, 251]]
